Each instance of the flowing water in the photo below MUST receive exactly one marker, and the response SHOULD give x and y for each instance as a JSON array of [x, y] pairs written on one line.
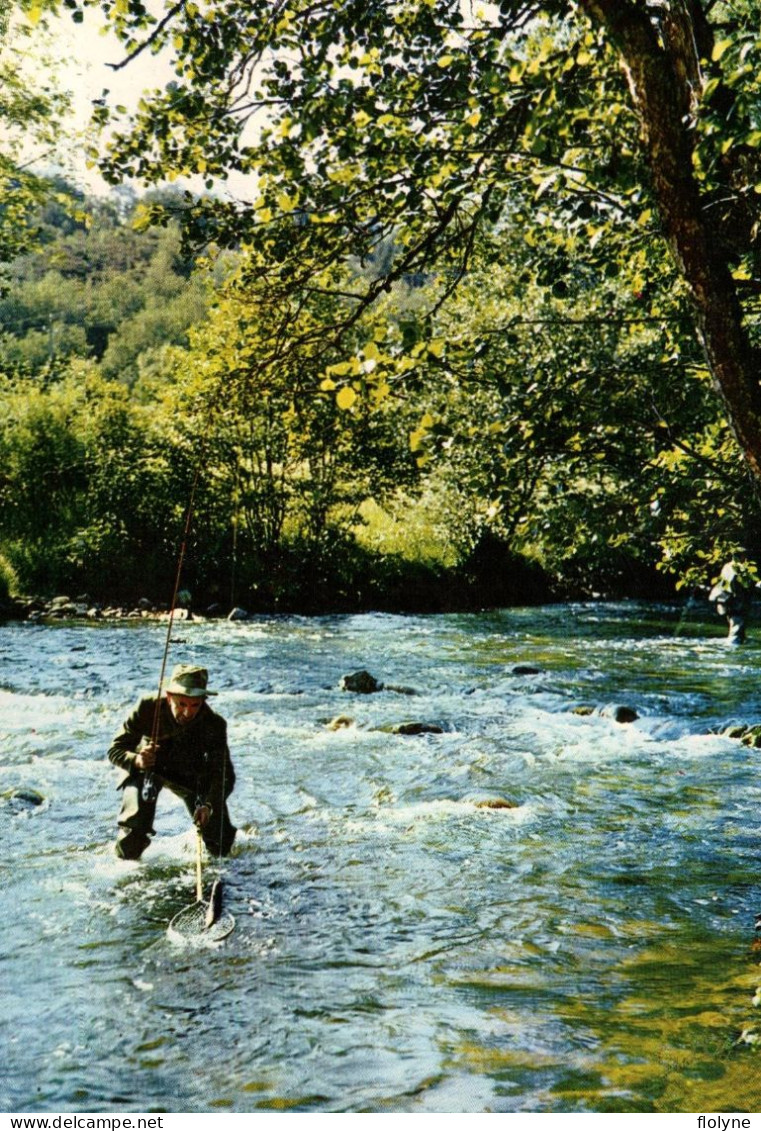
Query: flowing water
[[397, 946]]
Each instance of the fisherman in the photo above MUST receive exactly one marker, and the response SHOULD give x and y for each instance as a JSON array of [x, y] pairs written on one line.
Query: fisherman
[[732, 594], [179, 742]]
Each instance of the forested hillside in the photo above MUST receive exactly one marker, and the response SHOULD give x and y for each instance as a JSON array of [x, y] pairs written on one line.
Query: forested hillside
[[94, 287]]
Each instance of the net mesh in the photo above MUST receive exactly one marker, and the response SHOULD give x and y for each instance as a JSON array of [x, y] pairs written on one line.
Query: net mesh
[[189, 925]]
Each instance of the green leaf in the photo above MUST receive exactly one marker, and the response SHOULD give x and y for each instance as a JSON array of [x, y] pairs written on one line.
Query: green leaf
[[720, 48], [346, 397]]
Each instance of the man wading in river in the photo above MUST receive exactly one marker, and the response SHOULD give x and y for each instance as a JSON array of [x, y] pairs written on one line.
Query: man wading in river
[[183, 747], [732, 594]]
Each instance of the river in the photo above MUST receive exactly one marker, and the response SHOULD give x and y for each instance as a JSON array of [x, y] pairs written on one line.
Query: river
[[398, 948]]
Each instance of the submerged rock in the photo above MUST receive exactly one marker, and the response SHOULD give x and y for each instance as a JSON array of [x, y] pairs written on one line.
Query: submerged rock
[[363, 683], [619, 713], [22, 800], [413, 728], [496, 803], [340, 722], [748, 735], [525, 669], [734, 730], [616, 711]]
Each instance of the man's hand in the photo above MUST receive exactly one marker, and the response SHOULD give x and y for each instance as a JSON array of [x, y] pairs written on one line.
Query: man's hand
[[146, 759], [201, 816]]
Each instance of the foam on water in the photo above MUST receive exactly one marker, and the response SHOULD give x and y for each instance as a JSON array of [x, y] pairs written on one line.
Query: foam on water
[[397, 946]]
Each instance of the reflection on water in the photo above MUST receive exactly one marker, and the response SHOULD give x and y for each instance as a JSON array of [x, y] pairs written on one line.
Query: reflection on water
[[398, 947]]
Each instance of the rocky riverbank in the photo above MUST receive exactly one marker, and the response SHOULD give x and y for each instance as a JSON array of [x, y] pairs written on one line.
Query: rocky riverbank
[[62, 607]]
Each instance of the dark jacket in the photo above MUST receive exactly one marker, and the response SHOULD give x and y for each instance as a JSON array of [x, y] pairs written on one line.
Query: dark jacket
[[194, 757]]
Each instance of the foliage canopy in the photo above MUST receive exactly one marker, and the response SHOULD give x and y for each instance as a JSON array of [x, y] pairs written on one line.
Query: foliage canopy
[[473, 280], [421, 122]]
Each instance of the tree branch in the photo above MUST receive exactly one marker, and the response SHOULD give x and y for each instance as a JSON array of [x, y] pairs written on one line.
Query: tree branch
[[154, 35]]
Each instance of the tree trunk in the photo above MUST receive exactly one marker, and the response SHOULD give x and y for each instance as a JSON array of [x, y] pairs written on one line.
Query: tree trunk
[[664, 76]]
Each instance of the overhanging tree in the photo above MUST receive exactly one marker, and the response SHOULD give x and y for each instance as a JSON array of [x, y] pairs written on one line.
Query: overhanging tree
[[358, 122]]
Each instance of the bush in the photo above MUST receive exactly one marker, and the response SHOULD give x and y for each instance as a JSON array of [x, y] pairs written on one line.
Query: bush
[[343, 576], [9, 586]]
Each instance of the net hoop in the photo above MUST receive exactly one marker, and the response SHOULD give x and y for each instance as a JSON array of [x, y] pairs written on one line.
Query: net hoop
[[189, 925]]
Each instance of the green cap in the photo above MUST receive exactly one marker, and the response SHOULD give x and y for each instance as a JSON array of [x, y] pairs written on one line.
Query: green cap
[[190, 681]]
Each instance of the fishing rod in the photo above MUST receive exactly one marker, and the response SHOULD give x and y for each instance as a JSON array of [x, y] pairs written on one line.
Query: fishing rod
[[149, 790], [200, 919]]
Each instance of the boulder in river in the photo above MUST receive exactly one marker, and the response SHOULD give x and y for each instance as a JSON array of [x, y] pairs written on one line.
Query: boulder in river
[[752, 737], [734, 730], [496, 803], [525, 669], [340, 722], [412, 728], [619, 712], [22, 800], [361, 682]]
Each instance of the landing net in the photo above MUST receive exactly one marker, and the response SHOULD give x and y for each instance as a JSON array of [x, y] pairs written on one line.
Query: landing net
[[189, 925]]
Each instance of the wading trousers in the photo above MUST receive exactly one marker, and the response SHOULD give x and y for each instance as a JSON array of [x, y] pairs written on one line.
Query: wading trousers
[[137, 814]]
